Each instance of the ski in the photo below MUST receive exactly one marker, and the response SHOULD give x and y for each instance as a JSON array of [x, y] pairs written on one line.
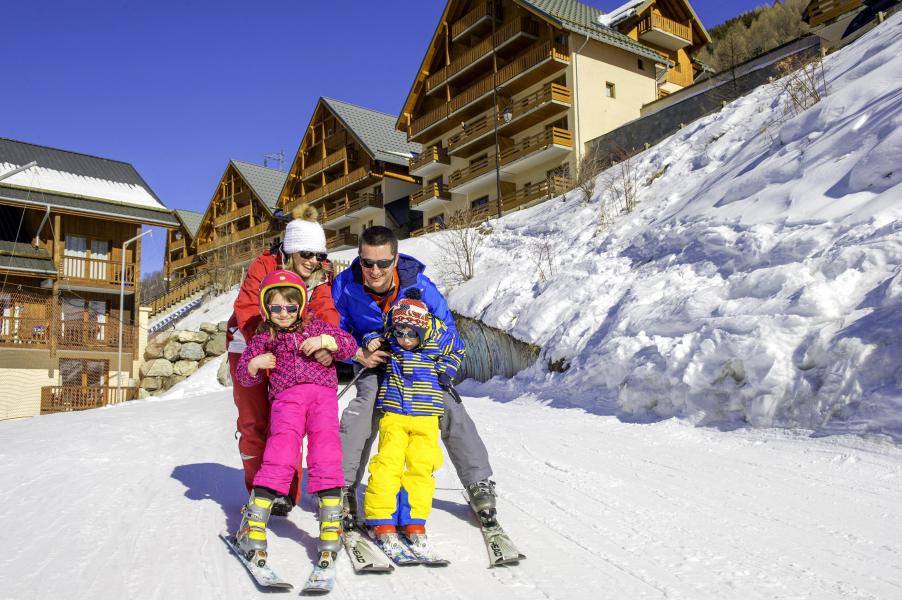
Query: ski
[[397, 551], [322, 578], [365, 555], [264, 576], [498, 544], [425, 552]]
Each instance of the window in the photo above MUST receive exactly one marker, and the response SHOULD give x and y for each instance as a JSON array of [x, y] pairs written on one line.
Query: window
[[80, 372], [609, 90], [438, 219], [479, 202], [641, 65]]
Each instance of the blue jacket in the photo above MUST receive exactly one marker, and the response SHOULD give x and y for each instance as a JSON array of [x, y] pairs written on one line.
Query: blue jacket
[[361, 315]]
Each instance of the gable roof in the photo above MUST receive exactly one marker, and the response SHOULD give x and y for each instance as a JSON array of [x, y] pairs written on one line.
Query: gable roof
[[75, 174], [190, 220], [267, 183], [632, 8], [375, 130]]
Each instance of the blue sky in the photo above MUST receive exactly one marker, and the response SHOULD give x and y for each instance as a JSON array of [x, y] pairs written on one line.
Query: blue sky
[[179, 87]]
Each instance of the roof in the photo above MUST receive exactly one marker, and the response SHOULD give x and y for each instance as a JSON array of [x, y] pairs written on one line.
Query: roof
[[18, 256], [76, 174], [90, 206], [375, 130], [583, 19], [267, 183], [632, 8], [190, 220]]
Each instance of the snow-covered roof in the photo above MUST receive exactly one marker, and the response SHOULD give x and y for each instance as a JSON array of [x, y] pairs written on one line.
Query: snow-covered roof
[[74, 174], [621, 13]]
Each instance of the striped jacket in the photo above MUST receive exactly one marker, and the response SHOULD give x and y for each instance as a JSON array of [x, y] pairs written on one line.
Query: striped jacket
[[410, 385]]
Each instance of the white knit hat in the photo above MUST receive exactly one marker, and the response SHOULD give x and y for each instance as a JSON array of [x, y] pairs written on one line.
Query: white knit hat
[[304, 233]]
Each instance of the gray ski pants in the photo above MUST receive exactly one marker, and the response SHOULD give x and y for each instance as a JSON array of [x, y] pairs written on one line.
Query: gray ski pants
[[360, 426]]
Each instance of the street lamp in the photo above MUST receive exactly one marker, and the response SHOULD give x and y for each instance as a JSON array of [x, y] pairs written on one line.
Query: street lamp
[[19, 170], [121, 309]]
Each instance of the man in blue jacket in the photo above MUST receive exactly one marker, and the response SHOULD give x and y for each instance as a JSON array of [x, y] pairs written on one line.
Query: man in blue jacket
[[363, 292]]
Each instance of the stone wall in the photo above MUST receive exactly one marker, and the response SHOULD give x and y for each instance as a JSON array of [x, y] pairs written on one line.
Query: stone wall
[[172, 356]]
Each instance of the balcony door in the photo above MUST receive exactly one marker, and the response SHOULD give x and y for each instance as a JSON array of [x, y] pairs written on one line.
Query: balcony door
[[84, 321], [99, 260], [86, 259], [74, 256], [83, 373]]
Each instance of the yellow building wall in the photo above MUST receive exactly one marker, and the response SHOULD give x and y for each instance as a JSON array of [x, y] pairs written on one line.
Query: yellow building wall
[[22, 375]]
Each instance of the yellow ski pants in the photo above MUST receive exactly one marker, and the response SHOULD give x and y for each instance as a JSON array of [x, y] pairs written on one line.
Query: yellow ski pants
[[410, 441]]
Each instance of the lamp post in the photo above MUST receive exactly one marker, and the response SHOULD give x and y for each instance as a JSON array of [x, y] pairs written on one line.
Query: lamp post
[[495, 116], [121, 308], [18, 170]]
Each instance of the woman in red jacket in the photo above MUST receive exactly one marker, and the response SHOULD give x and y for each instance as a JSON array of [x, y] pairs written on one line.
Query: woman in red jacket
[[304, 252]]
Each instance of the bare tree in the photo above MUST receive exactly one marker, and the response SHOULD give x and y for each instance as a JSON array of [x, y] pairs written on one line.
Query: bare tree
[[587, 170], [621, 183], [802, 81], [542, 257], [459, 244]]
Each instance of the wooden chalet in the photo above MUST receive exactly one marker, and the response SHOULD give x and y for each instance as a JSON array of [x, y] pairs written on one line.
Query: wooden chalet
[[63, 225], [517, 87], [180, 259], [238, 223], [352, 165]]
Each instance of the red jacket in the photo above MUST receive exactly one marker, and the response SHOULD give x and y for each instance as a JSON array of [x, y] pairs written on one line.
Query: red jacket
[[246, 311]]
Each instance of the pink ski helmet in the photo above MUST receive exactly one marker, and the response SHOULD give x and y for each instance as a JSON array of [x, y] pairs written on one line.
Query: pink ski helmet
[[282, 278]]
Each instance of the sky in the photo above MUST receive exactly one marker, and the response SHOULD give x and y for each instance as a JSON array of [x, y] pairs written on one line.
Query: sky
[[178, 88]]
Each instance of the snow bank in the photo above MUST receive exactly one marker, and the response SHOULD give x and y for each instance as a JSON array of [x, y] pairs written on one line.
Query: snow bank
[[758, 281]]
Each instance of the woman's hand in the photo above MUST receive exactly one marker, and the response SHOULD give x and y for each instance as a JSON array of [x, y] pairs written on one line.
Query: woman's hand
[[311, 345], [262, 361]]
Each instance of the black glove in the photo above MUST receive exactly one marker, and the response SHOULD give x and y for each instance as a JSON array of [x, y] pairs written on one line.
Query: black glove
[[444, 380]]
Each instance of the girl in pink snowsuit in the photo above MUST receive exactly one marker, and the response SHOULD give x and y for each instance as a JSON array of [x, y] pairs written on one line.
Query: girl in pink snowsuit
[[303, 396]]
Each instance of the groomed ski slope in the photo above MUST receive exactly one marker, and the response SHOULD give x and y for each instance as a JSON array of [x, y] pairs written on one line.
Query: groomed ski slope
[[127, 502]]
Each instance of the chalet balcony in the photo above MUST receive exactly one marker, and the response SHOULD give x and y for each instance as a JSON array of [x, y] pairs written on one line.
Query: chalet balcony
[[234, 215], [551, 100], [679, 78], [333, 159], [507, 38], [662, 32], [233, 238], [85, 274], [341, 241], [535, 150], [431, 228], [358, 177], [529, 194], [21, 332], [473, 137], [177, 245], [476, 21], [349, 209], [436, 194], [181, 263], [479, 174], [96, 335], [530, 67], [430, 162], [66, 398]]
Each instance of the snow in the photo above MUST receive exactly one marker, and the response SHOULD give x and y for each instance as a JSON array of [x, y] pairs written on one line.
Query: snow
[[757, 284], [620, 13], [52, 180]]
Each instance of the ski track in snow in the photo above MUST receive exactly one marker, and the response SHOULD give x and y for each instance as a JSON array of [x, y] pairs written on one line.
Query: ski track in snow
[[128, 501]]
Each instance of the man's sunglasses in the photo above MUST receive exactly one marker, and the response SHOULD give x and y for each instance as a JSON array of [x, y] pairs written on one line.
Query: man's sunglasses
[[320, 256], [368, 263], [405, 333], [277, 309]]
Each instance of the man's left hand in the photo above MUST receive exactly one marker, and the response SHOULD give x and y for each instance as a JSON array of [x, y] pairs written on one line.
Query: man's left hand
[[323, 357]]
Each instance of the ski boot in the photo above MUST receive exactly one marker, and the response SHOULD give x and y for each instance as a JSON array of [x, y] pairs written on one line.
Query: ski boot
[[482, 499], [349, 507], [251, 536], [416, 535], [330, 517]]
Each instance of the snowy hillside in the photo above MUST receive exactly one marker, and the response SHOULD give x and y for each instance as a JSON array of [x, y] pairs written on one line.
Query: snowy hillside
[[759, 280]]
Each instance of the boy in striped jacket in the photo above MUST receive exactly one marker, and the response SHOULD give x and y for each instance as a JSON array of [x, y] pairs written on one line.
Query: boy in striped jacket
[[425, 356]]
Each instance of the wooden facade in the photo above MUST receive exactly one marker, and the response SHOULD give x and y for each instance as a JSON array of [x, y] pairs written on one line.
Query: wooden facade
[[508, 92], [180, 260], [337, 170], [62, 271]]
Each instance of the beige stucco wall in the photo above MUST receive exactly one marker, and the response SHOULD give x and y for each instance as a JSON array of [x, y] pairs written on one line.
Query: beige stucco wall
[[22, 375], [593, 113]]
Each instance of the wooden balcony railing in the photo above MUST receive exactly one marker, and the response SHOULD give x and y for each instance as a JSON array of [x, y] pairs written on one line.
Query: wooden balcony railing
[[365, 200], [681, 78], [522, 25], [233, 238], [480, 167], [24, 332], [431, 228], [333, 186], [429, 119], [177, 245], [184, 289], [65, 398], [181, 263], [534, 143], [341, 239], [471, 131], [552, 92], [825, 10], [655, 21], [532, 58], [107, 273], [483, 11], [432, 154], [334, 158], [544, 189], [94, 335], [435, 190], [240, 213]]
